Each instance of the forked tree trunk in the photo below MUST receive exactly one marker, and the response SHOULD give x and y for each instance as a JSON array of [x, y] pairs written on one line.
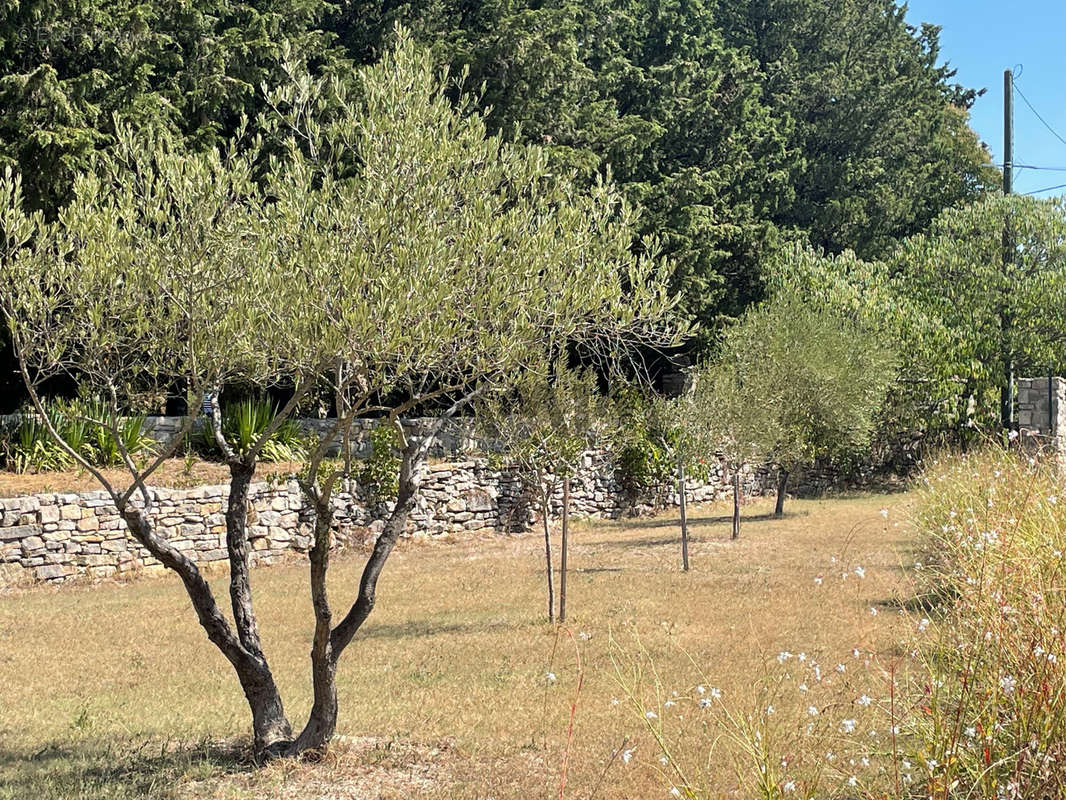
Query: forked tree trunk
[[736, 504], [563, 550], [684, 515], [782, 486], [271, 731], [545, 511], [329, 644]]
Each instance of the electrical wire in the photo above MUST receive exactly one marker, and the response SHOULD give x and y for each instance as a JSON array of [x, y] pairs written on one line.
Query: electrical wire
[[1047, 125], [1048, 189]]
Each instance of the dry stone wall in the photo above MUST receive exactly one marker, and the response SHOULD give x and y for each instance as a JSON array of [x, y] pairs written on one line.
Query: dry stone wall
[[54, 537]]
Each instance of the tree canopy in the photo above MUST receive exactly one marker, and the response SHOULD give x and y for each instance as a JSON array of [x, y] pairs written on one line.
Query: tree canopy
[[738, 125], [193, 67], [975, 298]]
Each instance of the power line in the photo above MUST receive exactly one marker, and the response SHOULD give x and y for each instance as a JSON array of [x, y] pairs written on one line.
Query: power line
[[1031, 166], [1047, 125], [1048, 189]]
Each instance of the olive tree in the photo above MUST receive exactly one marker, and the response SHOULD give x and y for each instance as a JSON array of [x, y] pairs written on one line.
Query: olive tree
[[820, 376], [729, 406], [393, 249], [679, 428], [541, 430]]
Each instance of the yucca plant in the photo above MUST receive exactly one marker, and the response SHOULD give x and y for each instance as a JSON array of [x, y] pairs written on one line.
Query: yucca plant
[[31, 448], [86, 425], [244, 422]]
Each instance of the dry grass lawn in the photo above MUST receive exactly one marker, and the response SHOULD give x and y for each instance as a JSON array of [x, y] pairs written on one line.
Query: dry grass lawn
[[113, 690], [174, 473]]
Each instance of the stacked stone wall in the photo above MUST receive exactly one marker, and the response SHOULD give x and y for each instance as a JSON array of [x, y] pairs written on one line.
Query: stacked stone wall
[[57, 536]]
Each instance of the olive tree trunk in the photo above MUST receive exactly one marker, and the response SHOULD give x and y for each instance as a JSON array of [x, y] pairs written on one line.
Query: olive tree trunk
[[736, 503], [782, 486], [329, 643], [563, 547], [684, 515], [272, 733], [545, 512]]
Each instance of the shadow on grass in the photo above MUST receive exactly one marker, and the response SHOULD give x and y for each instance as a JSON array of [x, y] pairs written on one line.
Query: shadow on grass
[[421, 628], [670, 541], [153, 770], [923, 603], [721, 520]]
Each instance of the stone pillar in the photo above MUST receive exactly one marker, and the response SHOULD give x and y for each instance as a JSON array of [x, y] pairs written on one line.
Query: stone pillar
[[1042, 416]]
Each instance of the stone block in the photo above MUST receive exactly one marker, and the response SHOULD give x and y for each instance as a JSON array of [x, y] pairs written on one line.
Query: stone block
[[32, 545], [52, 572], [87, 524], [18, 532]]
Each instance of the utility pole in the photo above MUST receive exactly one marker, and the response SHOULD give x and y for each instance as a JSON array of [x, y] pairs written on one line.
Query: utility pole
[[1007, 392], [1008, 132]]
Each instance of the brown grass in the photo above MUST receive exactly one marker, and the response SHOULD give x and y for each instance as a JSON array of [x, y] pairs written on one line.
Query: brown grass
[[174, 473], [445, 690]]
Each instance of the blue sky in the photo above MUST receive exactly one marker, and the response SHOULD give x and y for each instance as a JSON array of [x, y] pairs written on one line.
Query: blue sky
[[981, 38]]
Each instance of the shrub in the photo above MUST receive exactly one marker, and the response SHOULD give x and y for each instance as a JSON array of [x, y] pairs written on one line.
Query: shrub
[[244, 422], [84, 425], [380, 474], [651, 437], [30, 448]]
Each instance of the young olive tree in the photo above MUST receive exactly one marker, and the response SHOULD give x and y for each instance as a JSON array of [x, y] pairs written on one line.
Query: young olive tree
[[739, 422], [821, 376], [395, 250], [543, 429], [679, 427]]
